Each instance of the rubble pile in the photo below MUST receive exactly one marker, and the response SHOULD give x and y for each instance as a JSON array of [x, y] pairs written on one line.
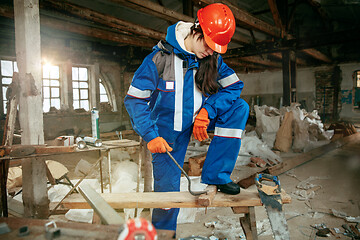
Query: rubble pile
[[290, 128]]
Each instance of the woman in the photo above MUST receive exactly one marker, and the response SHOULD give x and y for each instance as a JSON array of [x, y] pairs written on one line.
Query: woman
[[184, 87]]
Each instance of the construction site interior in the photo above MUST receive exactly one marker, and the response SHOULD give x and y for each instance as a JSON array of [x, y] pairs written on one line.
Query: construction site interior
[[73, 167]]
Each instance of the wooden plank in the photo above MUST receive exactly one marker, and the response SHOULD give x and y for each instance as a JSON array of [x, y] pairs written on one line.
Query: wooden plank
[[37, 230], [206, 199], [107, 214], [54, 149], [317, 152], [167, 200]]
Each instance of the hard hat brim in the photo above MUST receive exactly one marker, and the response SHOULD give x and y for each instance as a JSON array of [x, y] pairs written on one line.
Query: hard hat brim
[[214, 46]]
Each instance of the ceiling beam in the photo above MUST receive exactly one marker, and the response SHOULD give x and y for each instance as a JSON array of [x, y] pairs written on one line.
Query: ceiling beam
[[257, 24], [110, 21], [259, 60], [299, 61], [297, 44], [276, 14], [236, 62], [121, 39], [154, 9]]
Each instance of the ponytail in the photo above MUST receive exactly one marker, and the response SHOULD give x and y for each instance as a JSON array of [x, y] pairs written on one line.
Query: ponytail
[[205, 77]]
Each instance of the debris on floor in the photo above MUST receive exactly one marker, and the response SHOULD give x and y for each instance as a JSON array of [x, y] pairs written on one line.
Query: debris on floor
[[226, 227]]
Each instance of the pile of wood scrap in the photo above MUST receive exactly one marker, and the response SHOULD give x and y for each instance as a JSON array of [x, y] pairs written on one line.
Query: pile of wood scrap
[[342, 129]]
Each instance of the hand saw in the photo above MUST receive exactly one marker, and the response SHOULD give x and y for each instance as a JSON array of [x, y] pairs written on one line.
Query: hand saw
[[271, 197]]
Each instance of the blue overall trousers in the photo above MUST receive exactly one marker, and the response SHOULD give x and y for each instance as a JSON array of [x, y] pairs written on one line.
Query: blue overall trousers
[[219, 164]]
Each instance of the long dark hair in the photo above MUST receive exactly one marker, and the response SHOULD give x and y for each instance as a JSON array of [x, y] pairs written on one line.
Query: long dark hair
[[205, 77]]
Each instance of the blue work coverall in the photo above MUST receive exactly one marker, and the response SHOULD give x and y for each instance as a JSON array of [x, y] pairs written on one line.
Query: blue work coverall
[[163, 100]]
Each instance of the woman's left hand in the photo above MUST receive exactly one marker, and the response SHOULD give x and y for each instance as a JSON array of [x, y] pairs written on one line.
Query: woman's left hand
[[200, 125]]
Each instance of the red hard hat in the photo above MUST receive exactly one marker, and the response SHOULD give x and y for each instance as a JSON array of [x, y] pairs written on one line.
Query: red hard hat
[[218, 25]]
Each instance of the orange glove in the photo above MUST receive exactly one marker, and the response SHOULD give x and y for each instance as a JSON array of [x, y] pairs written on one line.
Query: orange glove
[[200, 125], [158, 145]]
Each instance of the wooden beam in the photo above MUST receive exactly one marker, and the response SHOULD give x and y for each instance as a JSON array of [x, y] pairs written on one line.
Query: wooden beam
[[317, 55], [154, 9], [109, 21], [159, 11], [259, 60], [298, 60], [275, 14], [106, 213], [168, 200], [121, 39], [237, 63], [304, 44]]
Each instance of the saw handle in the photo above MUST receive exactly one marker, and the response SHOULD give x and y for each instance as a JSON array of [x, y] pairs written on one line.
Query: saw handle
[[267, 177]]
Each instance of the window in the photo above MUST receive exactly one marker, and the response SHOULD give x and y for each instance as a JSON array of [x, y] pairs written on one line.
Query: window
[[7, 70], [51, 87], [103, 93], [80, 84]]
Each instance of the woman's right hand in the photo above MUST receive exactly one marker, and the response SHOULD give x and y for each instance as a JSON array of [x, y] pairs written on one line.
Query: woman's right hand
[[158, 145]]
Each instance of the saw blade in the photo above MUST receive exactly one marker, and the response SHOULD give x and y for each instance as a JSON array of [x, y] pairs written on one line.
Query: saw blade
[[278, 223]]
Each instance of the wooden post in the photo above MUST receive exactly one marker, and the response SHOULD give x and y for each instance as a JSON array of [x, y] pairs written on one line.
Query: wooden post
[[289, 77], [28, 57], [286, 78], [36, 202], [146, 159]]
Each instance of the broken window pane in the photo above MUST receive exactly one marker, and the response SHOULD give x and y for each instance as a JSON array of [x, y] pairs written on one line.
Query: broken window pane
[[55, 103], [83, 94], [54, 72], [46, 93], [84, 104], [76, 104], [83, 85], [75, 73], [6, 68], [83, 74], [55, 92], [75, 94], [6, 80], [46, 105], [46, 83], [55, 83]]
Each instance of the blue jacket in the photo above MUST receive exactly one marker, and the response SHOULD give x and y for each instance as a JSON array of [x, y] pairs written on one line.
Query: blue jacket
[[163, 99]]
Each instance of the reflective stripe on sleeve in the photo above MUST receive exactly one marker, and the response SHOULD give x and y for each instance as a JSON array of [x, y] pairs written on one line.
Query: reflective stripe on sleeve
[[135, 92], [233, 78], [179, 85], [197, 97], [228, 132]]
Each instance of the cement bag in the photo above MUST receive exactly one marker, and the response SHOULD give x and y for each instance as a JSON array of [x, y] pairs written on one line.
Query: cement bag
[[283, 140], [301, 133], [14, 177]]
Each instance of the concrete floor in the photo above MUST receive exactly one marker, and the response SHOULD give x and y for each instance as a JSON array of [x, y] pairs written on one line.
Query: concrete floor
[[337, 176]]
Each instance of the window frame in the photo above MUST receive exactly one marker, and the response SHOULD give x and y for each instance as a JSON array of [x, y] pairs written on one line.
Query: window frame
[[78, 81]]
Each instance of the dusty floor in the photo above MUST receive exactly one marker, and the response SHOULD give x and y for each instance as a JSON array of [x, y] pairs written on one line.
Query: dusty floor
[[335, 177], [337, 173]]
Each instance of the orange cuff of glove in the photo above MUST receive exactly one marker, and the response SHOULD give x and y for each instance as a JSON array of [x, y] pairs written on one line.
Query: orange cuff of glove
[[158, 145], [200, 125]]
